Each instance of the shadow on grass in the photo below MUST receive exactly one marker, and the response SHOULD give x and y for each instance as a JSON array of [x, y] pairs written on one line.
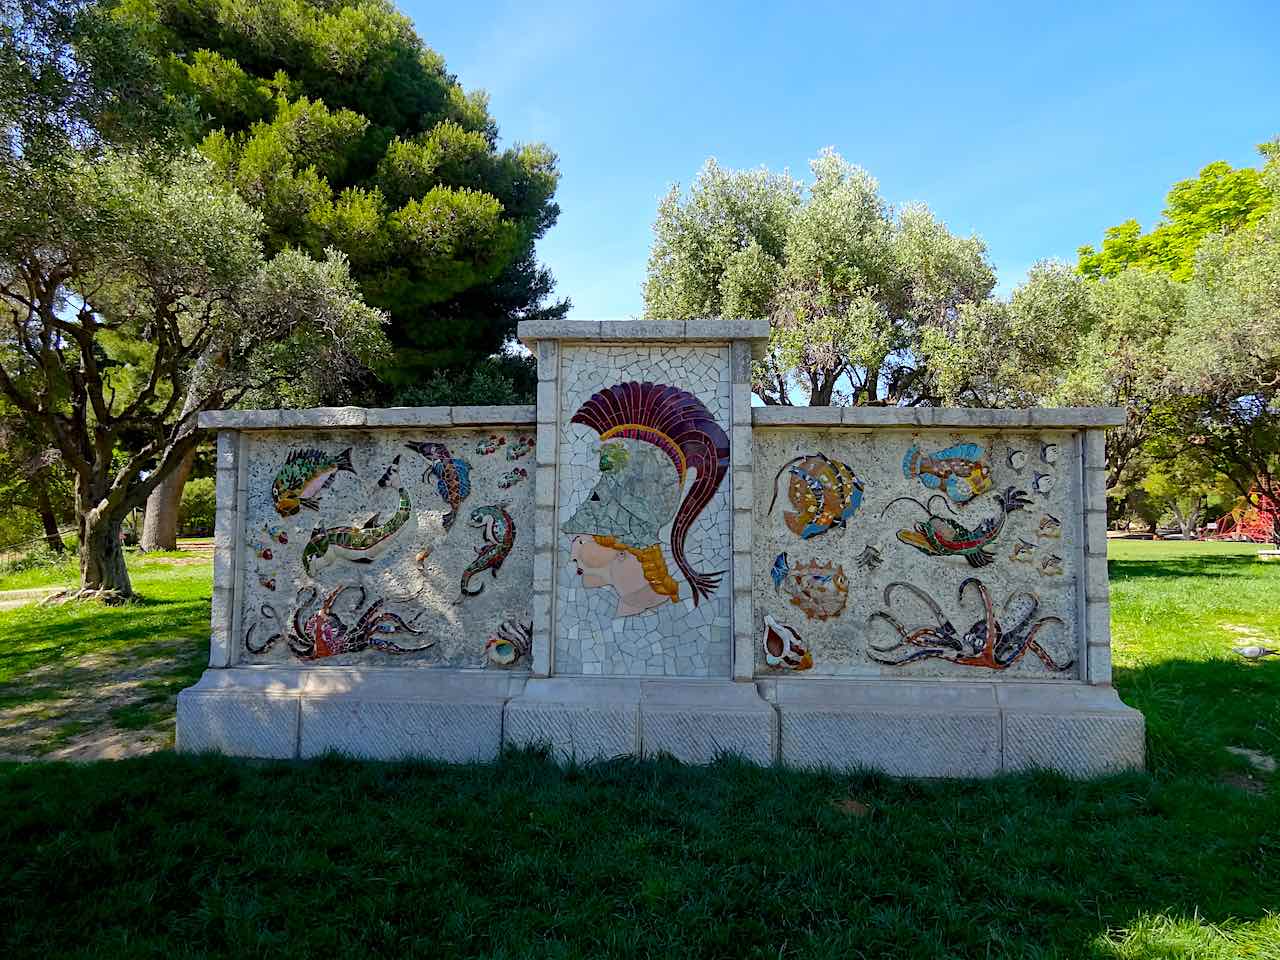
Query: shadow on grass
[[627, 858], [1208, 565]]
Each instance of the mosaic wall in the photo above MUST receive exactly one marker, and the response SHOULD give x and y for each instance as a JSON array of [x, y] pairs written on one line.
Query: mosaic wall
[[643, 584], [893, 553], [388, 548]]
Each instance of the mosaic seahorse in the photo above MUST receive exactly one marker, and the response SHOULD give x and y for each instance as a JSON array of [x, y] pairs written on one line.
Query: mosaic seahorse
[[499, 537]]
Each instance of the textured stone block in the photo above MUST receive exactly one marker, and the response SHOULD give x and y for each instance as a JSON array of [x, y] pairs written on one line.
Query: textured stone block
[[221, 649], [700, 735], [544, 494], [322, 418], [727, 329], [743, 489], [1095, 532], [1097, 622], [490, 415], [743, 524], [548, 359], [240, 725], [535, 330], [1097, 585], [1094, 450], [902, 742], [779, 416], [740, 355], [548, 402], [740, 401], [574, 732], [545, 450], [1099, 665], [228, 445], [1077, 744], [410, 417], [456, 732]]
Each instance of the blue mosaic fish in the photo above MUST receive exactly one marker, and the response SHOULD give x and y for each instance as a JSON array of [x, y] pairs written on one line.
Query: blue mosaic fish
[[780, 570], [957, 471]]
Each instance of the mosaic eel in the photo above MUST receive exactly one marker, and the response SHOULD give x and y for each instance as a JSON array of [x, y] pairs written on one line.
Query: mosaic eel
[[499, 538], [365, 538], [940, 536]]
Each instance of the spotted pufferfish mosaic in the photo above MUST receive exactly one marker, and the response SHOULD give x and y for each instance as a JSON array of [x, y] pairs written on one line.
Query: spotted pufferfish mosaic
[[825, 493]]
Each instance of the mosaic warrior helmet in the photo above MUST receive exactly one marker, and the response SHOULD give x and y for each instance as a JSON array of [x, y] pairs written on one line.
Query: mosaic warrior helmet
[[651, 436]]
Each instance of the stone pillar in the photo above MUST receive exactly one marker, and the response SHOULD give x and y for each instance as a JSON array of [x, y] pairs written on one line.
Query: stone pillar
[[743, 519], [1097, 620], [545, 482], [226, 558]]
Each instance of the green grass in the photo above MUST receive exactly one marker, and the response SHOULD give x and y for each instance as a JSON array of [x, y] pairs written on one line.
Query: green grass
[[178, 856]]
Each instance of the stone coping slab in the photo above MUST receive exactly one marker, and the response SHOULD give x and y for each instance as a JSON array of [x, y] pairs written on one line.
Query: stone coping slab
[[1058, 418], [623, 331], [342, 418]]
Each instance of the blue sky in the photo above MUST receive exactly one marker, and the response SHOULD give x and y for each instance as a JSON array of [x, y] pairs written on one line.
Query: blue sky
[[1034, 125]]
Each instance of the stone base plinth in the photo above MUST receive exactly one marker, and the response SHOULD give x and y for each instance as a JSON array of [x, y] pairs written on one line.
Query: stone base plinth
[[377, 714], [938, 729], [583, 719], [903, 728]]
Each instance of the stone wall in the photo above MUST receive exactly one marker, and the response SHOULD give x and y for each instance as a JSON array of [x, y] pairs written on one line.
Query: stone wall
[[647, 564]]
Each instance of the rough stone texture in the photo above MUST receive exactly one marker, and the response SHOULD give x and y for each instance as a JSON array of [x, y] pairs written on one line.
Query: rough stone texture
[[1022, 554], [400, 729], [696, 721], [1065, 418], [243, 713], [900, 742], [621, 331], [339, 418], [1077, 744], [579, 720]]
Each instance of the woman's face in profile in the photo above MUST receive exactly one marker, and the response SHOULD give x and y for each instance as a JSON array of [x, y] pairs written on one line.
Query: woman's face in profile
[[594, 561]]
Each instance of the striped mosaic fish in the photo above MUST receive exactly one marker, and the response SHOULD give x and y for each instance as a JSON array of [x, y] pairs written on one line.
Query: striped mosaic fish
[[360, 544], [304, 476]]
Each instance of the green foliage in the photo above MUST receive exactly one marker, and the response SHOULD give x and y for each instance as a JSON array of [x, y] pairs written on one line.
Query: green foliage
[[854, 288], [344, 130], [499, 380], [198, 508], [37, 557], [1220, 200]]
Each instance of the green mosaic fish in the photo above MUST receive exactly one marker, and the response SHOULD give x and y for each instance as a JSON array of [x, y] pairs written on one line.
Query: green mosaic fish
[[305, 475], [364, 539]]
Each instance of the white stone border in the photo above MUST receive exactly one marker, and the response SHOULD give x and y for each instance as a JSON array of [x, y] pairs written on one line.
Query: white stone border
[[969, 418], [346, 418]]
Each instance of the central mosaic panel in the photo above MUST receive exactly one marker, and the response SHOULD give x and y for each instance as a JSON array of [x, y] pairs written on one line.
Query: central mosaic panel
[[644, 539]]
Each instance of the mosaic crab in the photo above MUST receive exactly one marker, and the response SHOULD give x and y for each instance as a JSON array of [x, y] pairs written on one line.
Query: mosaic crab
[[324, 634], [988, 643]]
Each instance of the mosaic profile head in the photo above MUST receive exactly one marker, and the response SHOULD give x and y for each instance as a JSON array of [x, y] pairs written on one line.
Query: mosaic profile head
[[652, 436]]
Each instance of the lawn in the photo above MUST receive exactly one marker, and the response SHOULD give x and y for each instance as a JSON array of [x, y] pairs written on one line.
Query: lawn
[[175, 856]]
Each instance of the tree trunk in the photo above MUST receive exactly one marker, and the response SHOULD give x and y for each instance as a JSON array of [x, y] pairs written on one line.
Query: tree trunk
[[48, 519], [102, 564], [160, 523]]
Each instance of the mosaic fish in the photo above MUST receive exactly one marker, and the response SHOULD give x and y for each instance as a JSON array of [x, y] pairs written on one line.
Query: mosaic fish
[[1023, 551], [820, 590], [782, 647], [1049, 452], [1051, 566], [489, 445], [365, 539], [1050, 527], [510, 643], [958, 471], [452, 475], [870, 558], [1042, 482], [824, 492], [499, 538], [521, 447], [1017, 459], [940, 536], [779, 570], [305, 475], [512, 477]]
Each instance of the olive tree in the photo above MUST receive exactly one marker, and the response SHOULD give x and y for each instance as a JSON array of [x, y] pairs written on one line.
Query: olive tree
[[134, 295]]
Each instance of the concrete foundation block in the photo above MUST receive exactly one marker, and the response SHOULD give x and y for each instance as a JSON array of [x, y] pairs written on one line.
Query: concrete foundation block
[[901, 742], [697, 721], [455, 732], [1082, 731], [243, 716]]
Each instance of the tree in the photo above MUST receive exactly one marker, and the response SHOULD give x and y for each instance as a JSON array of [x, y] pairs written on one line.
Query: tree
[[113, 251], [32, 476], [1226, 359], [851, 284], [333, 119], [1220, 200], [344, 130]]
